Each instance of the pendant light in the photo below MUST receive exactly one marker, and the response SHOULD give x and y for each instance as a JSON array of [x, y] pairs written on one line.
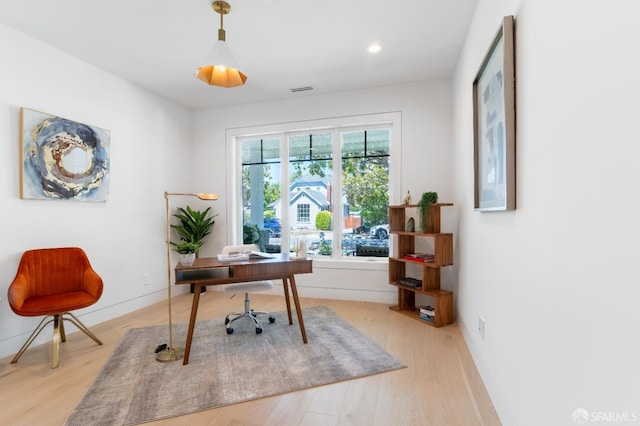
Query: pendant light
[[222, 67]]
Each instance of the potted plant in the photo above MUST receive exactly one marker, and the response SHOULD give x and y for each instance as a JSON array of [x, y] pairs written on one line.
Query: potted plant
[[424, 205], [195, 226], [187, 251]]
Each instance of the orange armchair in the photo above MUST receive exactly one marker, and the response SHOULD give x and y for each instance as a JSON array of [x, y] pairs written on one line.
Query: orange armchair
[[53, 282]]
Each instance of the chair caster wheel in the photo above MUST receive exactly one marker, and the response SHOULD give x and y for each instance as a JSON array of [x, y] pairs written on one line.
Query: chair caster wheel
[[229, 330], [272, 320], [226, 320], [258, 330]]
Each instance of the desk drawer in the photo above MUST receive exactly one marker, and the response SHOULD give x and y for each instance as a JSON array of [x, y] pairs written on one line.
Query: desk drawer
[[192, 276], [268, 270]]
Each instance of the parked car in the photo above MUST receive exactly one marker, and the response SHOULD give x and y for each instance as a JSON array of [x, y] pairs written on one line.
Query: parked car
[[362, 229], [380, 231], [273, 225]]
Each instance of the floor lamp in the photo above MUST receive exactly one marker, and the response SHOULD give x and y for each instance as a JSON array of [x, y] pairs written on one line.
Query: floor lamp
[[172, 353]]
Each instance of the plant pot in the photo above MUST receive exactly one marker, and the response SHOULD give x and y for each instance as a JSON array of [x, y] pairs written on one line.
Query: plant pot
[[187, 259]]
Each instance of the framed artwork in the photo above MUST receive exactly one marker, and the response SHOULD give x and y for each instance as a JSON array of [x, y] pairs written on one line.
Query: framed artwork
[[494, 124], [62, 159]]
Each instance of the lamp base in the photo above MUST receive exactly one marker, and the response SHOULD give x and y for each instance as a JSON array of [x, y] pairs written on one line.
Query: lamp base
[[170, 354]]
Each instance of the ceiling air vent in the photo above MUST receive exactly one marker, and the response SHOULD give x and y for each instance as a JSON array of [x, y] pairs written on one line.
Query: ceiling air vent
[[301, 89]]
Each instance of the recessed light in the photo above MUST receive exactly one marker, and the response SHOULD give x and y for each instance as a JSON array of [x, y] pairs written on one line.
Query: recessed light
[[374, 48]]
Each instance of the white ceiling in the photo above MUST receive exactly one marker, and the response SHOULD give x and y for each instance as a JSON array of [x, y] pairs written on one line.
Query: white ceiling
[[280, 44]]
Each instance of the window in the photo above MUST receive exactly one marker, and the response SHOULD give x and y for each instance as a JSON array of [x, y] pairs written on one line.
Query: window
[[329, 184], [365, 174], [303, 213], [260, 188]]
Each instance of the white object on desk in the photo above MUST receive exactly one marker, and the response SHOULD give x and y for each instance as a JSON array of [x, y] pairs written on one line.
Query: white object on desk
[[303, 248], [243, 255], [232, 257]]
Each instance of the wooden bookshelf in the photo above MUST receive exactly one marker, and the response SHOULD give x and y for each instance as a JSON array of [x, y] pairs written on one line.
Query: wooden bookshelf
[[429, 271]]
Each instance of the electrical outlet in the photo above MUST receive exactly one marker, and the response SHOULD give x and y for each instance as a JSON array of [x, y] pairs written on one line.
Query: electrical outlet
[[481, 327], [145, 279]]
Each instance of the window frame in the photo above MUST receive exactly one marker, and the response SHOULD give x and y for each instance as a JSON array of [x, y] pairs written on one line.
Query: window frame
[[235, 136]]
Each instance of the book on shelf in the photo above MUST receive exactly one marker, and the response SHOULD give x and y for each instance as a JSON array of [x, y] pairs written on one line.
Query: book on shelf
[[243, 255], [427, 318], [409, 282], [427, 313], [420, 257], [428, 310]]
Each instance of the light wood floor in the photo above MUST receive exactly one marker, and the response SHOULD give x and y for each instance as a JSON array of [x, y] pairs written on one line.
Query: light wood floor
[[441, 385]]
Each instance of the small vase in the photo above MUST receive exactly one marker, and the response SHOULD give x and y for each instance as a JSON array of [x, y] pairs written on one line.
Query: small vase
[[411, 225], [187, 259]]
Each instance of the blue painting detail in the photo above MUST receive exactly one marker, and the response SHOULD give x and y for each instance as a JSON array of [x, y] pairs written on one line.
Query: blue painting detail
[[63, 159]]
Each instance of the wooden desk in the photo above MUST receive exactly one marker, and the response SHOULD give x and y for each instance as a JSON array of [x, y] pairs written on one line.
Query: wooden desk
[[209, 271]]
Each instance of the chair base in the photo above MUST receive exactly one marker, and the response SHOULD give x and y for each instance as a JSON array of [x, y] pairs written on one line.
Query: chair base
[[58, 334], [248, 313]]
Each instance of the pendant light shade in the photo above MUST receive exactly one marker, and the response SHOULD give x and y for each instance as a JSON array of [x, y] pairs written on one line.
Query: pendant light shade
[[222, 67], [223, 70]]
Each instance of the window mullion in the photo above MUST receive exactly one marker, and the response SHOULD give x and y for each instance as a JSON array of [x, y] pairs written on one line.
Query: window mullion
[[336, 193], [285, 219]]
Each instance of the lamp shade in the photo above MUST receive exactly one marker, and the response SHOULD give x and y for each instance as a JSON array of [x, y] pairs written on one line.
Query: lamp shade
[[222, 69]]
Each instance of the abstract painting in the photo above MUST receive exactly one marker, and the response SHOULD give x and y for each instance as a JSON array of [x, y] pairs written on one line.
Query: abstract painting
[[62, 159], [494, 124]]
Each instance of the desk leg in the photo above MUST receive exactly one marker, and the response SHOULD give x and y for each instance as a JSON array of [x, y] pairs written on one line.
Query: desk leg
[[294, 290], [286, 298], [192, 322]]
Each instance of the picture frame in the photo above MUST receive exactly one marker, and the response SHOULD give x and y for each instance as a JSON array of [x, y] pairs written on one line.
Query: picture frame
[[494, 124], [62, 159]]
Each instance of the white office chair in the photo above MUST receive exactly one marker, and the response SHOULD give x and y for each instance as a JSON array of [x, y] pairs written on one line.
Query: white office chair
[[246, 288]]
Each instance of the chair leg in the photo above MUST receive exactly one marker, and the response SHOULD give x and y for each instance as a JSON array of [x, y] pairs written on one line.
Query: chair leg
[[75, 321], [63, 335], [31, 338], [59, 334], [247, 315]]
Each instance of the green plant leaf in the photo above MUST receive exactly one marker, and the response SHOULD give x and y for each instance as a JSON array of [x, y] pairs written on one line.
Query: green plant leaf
[[186, 247], [195, 225], [424, 204]]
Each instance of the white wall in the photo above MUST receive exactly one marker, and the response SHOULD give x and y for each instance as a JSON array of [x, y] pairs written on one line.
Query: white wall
[[124, 237], [556, 279], [425, 166]]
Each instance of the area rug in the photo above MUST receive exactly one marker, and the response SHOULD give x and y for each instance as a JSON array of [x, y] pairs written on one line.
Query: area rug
[[225, 369]]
